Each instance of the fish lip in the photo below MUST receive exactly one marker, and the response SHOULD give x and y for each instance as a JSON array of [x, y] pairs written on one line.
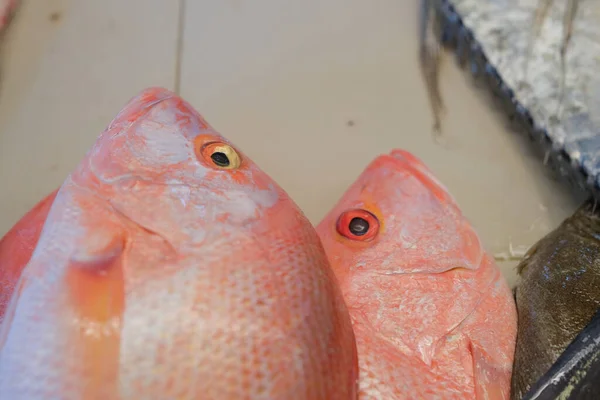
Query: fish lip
[[140, 103], [400, 160], [403, 158], [404, 155]]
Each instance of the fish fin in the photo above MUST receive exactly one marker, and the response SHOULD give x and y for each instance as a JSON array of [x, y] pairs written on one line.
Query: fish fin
[[82, 311], [491, 382], [530, 253], [95, 295]]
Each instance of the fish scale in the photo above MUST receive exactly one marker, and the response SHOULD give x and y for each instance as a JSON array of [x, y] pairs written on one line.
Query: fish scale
[[421, 314], [485, 38], [160, 273]]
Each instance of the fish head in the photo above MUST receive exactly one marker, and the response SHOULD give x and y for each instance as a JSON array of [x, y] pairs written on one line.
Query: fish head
[[397, 218], [159, 147], [176, 268], [403, 255]]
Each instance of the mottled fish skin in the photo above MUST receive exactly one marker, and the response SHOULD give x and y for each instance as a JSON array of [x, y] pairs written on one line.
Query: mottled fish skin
[[576, 373], [164, 272], [433, 316], [17, 246], [557, 294]]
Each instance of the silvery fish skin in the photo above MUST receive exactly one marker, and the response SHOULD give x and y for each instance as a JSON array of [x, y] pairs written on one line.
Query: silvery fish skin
[[540, 58], [557, 296], [576, 373]]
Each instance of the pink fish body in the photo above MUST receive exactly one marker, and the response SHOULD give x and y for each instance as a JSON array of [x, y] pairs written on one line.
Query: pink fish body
[[17, 246], [171, 267], [432, 314]]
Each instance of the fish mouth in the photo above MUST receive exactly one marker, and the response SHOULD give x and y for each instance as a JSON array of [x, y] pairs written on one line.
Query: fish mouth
[[401, 160], [406, 157], [138, 106], [405, 162]]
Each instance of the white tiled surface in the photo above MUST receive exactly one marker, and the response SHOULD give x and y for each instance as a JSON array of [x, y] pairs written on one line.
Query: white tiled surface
[[282, 80]]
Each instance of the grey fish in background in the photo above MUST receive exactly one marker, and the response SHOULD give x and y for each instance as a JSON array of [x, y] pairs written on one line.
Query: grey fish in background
[[557, 295], [576, 373], [540, 59]]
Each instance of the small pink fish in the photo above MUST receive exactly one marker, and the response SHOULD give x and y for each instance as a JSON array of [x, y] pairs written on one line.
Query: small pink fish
[[432, 314], [171, 267]]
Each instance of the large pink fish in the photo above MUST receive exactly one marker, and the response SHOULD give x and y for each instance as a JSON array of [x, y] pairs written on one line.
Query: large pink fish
[[432, 314], [171, 267]]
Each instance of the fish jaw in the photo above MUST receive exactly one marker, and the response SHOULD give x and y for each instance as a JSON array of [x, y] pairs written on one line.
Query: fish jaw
[[221, 286], [421, 283]]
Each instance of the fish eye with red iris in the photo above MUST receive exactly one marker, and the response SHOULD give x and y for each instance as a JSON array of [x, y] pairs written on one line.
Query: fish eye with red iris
[[358, 224]]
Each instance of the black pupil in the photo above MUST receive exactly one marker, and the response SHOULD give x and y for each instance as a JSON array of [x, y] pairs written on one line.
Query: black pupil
[[220, 159], [358, 226]]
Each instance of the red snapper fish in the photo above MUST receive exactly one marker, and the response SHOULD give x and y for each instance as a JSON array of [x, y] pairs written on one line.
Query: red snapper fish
[[170, 266], [432, 314]]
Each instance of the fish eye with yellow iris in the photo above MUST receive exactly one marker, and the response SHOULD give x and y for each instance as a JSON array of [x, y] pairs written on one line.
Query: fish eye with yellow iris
[[221, 155], [172, 294]]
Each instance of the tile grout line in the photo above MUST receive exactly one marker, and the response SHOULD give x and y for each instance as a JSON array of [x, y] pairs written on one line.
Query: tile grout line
[[179, 47]]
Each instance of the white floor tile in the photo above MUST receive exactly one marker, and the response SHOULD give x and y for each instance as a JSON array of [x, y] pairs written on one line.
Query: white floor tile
[[69, 66]]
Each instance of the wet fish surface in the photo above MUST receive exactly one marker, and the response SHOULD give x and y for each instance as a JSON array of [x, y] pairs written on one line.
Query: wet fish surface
[[433, 316], [540, 59], [171, 266], [557, 294], [576, 373]]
